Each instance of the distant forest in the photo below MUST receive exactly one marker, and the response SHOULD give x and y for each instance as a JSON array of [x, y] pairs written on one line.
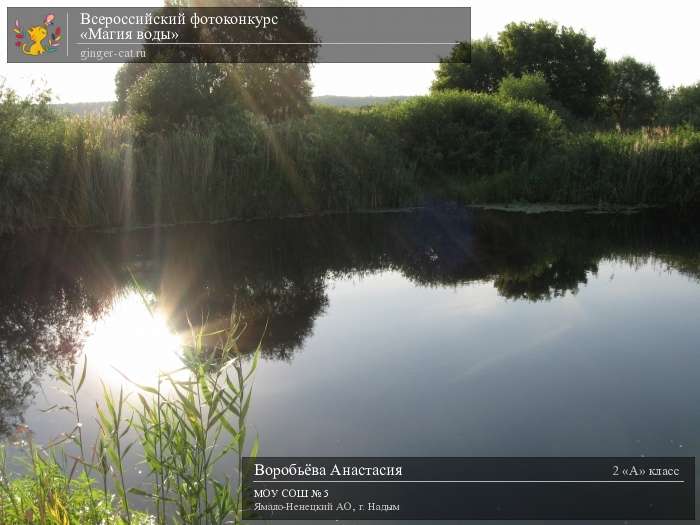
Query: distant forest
[[87, 108]]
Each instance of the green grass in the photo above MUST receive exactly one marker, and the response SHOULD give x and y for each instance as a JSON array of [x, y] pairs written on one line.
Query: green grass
[[181, 429], [99, 170], [654, 167]]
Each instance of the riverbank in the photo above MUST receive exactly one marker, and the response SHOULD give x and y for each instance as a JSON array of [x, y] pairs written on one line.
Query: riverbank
[[102, 171]]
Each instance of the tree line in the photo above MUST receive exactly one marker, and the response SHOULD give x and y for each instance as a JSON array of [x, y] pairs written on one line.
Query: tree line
[[564, 69], [556, 66]]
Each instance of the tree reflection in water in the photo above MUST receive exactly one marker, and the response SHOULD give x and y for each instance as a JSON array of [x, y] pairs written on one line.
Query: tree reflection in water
[[54, 287]]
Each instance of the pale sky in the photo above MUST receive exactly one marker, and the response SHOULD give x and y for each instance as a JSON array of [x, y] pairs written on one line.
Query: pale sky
[[664, 34]]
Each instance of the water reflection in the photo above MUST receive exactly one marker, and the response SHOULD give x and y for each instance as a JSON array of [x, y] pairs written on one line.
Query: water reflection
[[61, 294], [132, 340]]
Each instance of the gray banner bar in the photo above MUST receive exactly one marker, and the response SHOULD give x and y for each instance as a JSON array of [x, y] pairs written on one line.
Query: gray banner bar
[[235, 34], [508, 488]]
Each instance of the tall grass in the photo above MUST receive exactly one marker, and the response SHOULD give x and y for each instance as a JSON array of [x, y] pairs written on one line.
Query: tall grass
[[652, 167], [183, 428], [31, 136], [101, 171]]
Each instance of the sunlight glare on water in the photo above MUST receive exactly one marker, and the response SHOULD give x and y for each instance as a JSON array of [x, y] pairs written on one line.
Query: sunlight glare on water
[[132, 341]]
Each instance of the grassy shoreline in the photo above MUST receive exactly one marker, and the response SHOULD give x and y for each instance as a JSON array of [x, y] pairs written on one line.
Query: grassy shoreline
[[513, 207], [101, 171]]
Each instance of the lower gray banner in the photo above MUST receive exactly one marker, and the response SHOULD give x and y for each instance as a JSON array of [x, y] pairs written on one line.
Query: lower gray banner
[[603, 488]]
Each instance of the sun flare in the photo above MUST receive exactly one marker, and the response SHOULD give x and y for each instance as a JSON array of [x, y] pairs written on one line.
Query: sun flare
[[131, 342]]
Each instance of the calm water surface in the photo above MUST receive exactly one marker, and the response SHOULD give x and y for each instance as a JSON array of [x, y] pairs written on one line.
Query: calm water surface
[[446, 333]]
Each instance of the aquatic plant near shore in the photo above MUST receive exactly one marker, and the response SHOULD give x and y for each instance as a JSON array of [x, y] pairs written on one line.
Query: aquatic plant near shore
[[183, 428]]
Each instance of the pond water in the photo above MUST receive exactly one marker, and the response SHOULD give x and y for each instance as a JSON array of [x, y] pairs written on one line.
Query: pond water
[[451, 332]]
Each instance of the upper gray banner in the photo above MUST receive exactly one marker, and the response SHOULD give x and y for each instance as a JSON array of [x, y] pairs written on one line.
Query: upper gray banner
[[235, 34]]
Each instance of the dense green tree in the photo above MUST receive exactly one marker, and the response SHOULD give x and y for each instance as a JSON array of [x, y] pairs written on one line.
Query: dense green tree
[[479, 68], [125, 78], [682, 107], [575, 70], [272, 81], [275, 91], [167, 94], [634, 93]]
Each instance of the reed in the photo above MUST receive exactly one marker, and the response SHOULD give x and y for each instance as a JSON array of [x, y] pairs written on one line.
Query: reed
[[102, 171], [649, 167], [183, 428]]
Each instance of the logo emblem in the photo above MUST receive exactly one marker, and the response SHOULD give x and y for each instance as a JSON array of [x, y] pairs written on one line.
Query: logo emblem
[[37, 40]]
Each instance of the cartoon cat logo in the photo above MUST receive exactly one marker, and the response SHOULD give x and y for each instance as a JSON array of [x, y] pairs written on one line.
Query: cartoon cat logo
[[31, 42]]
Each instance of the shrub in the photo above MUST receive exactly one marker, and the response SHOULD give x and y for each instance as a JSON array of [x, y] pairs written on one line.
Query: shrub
[[467, 135]]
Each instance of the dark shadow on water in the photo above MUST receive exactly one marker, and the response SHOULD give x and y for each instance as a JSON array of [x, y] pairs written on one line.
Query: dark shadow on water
[[276, 272]]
